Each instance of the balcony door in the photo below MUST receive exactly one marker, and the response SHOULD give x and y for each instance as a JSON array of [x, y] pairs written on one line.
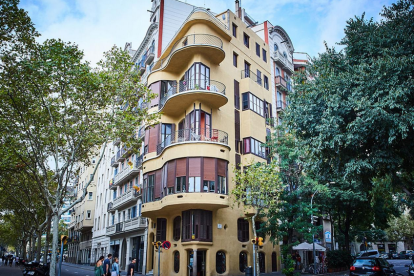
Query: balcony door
[[197, 77], [199, 124]]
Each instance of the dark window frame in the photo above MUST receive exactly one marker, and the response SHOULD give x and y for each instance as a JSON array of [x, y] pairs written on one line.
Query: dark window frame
[[176, 261], [161, 234], [197, 225], [234, 30], [221, 262], [248, 140], [264, 55], [266, 82], [257, 49], [243, 230], [246, 40], [246, 103], [235, 57], [177, 228]]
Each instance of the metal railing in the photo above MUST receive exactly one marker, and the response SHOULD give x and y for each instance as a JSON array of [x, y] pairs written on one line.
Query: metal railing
[[253, 76], [277, 55], [119, 227], [149, 53], [125, 198], [190, 40], [193, 135], [206, 85], [281, 81], [139, 160]]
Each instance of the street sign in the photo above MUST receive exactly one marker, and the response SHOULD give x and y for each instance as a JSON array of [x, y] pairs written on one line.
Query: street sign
[[328, 237], [166, 245]]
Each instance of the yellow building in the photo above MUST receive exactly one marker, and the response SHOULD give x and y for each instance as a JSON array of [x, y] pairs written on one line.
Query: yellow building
[[213, 86]]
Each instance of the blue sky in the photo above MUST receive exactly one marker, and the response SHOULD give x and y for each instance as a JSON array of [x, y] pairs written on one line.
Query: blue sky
[[97, 25]]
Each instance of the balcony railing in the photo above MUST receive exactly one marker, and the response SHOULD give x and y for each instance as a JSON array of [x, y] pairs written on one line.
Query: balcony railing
[[110, 206], [138, 162], [111, 183], [127, 197], [281, 82], [278, 56], [253, 76], [128, 171], [110, 230], [135, 223], [193, 135], [280, 105], [150, 55], [113, 162], [201, 84], [119, 227], [190, 40], [85, 244]]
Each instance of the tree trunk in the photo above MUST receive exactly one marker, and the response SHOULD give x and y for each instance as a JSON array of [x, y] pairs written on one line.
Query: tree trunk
[[47, 237], [30, 248], [39, 246], [55, 243], [24, 244]]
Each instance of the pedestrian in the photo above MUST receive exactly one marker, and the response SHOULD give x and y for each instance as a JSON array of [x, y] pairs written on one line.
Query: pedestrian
[[115, 268], [17, 261], [6, 258], [298, 260], [10, 260], [131, 267], [107, 265], [98, 271]]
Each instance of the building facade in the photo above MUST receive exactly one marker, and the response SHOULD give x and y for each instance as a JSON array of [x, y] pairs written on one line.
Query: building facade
[[82, 216], [214, 94]]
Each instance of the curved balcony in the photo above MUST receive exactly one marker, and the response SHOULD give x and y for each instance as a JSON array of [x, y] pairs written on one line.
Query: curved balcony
[[210, 92], [185, 48], [184, 201], [206, 135], [125, 199]]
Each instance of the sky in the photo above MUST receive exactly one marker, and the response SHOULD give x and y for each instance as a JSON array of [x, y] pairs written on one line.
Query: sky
[[97, 25]]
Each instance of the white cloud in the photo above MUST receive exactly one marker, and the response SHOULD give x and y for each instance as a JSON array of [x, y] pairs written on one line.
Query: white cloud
[[95, 25]]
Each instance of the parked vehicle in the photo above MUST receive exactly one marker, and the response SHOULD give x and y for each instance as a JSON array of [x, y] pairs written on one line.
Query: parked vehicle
[[369, 253], [36, 269], [371, 266], [406, 254]]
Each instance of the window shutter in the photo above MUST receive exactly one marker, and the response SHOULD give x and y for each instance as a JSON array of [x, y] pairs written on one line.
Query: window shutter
[[156, 89], [181, 167], [209, 169], [161, 229], [221, 167], [146, 139], [236, 95], [194, 167], [171, 174], [153, 138], [157, 186]]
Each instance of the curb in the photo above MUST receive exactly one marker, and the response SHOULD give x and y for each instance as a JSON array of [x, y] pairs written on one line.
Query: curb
[[86, 267]]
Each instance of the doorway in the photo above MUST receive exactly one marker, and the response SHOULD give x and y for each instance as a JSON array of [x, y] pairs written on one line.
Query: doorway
[[196, 264], [123, 254], [262, 262]]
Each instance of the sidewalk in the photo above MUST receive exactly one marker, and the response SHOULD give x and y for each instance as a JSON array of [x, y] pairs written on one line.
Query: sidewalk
[[88, 267], [9, 271], [341, 273]]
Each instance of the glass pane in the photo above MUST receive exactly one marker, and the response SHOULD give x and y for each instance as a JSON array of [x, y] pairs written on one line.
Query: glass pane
[[205, 186], [197, 184], [191, 185], [212, 187]]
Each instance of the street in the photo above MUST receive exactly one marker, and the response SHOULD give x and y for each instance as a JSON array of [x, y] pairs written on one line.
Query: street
[[399, 266]]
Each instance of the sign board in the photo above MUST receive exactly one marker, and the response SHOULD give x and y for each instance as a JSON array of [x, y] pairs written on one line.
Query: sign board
[[328, 236], [166, 245]]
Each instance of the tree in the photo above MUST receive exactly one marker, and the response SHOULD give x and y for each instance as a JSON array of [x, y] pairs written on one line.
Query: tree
[[401, 229], [355, 117], [56, 110]]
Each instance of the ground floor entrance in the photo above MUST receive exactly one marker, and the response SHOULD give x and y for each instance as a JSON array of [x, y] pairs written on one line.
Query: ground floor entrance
[[138, 252], [196, 263]]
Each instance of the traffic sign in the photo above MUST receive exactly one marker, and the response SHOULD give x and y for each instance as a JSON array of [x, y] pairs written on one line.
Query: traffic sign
[[166, 245], [328, 236]]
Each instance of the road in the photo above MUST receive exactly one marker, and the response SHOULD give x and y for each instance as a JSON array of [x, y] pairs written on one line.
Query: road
[[399, 266]]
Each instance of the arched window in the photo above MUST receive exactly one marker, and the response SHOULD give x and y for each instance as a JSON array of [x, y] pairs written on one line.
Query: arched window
[[176, 261], [242, 230], [284, 54], [177, 228], [277, 71], [276, 47], [242, 261], [220, 262]]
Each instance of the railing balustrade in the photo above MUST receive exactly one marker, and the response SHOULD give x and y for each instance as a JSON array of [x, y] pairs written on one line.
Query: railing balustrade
[[253, 76], [193, 135]]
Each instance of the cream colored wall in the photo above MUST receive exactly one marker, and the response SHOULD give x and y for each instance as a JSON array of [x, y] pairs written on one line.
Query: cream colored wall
[[223, 119]]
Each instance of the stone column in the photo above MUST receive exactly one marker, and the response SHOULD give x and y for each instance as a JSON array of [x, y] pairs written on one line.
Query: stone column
[[194, 262]]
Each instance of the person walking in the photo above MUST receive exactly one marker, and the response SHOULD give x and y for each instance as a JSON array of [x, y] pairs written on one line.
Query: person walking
[[10, 260], [98, 271], [107, 265], [16, 262], [115, 267], [131, 267]]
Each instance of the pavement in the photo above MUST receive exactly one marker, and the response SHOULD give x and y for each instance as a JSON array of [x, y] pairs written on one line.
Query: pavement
[[86, 270]]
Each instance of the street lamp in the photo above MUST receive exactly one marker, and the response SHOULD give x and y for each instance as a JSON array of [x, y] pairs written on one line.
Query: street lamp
[[313, 235]]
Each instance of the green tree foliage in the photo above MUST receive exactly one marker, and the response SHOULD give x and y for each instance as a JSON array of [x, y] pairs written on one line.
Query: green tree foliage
[[401, 229], [57, 111], [356, 119]]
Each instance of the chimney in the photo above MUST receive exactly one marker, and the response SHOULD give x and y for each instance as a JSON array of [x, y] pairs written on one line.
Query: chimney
[[238, 9]]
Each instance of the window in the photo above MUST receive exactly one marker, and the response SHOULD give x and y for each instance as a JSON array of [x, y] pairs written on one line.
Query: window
[[197, 77], [264, 54], [277, 71], [221, 185], [259, 77], [134, 212], [161, 229], [242, 261], [235, 59], [284, 54], [257, 49], [246, 40], [246, 69], [177, 228], [197, 225], [220, 262], [242, 230], [176, 261], [234, 30], [166, 135], [88, 214], [253, 103], [149, 183], [266, 82], [180, 185], [275, 47], [90, 194], [259, 230], [255, 147], [129, 213], [208, 186], [194, 184]]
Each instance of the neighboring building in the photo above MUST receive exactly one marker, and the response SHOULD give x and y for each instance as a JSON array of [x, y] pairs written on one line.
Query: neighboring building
[[82, 216], [214, 94]]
